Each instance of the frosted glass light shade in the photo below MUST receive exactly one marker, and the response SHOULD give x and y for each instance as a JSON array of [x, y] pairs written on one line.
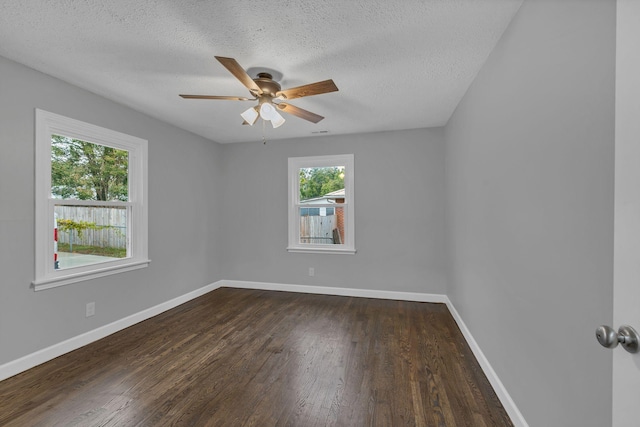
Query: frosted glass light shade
[[267, 111], [277, 119], [250, 116]]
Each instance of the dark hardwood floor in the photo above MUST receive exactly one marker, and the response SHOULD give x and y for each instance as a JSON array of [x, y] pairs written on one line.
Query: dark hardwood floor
[[239, 357]]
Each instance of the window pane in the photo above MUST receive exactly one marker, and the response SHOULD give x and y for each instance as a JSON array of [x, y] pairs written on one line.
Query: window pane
[[90, 234], [325, 184], [82, 170], [320, 229]]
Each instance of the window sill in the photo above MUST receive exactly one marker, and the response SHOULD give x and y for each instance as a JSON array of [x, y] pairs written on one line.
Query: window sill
[[320, 250], [60, 278]]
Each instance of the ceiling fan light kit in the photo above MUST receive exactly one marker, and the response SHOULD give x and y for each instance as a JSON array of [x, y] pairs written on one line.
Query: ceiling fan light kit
[[268, 112], [265, 90], [250, 116], [277, 121]]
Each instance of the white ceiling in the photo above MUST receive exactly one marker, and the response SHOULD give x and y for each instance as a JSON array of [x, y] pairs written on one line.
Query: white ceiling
[[399, 64]]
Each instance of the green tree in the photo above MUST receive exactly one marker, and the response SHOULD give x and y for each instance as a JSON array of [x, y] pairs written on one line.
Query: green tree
[[86, 171], [316, 182]]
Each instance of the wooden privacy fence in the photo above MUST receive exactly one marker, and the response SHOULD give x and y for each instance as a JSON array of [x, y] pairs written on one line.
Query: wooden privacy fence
[[317, 229], [110, 231]]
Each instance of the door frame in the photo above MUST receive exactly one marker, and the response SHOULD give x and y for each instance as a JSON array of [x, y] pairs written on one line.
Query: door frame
[[626, 280]]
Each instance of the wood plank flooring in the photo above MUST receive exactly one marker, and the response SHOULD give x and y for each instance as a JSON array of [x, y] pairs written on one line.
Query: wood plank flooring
[[238, 357]]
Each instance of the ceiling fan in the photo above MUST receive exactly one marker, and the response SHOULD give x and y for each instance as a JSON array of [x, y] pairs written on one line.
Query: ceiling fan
[[266, 91]]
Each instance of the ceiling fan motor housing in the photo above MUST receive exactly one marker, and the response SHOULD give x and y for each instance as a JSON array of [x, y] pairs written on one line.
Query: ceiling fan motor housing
[[267, 85]]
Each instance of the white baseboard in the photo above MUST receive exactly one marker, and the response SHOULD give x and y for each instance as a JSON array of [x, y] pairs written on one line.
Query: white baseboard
[[324, 290], [508, 403], [34, 359]]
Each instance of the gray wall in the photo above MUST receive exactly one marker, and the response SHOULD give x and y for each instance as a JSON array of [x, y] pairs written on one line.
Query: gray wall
[[184, 181], [399, 202], [530, 209]]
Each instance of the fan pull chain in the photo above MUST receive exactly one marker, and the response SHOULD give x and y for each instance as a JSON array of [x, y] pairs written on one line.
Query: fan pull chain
[[264, 140]]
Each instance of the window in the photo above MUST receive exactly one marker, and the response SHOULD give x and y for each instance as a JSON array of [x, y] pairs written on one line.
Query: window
[[321, 209], [91, 210]]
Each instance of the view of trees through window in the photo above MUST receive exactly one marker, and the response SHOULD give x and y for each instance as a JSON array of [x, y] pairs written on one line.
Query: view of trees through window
[[317, 182], [84, 171]]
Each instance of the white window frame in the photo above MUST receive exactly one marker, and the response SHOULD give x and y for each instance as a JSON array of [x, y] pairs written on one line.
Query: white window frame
[[46, 276], [295, 164]]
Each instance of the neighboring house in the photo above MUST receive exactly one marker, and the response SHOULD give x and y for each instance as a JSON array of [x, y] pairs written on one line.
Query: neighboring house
[[333, 197]]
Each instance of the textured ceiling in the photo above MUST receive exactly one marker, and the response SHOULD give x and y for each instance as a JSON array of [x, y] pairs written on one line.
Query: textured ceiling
[[398, 64]]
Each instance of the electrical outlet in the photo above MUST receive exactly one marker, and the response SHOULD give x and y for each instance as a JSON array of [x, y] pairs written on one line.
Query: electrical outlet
[[91, 309], [312, 271]]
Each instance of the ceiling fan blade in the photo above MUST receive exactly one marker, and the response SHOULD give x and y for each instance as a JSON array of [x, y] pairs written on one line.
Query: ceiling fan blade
[[299, 112], [308, 90], [239, 73], [230, 98]]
